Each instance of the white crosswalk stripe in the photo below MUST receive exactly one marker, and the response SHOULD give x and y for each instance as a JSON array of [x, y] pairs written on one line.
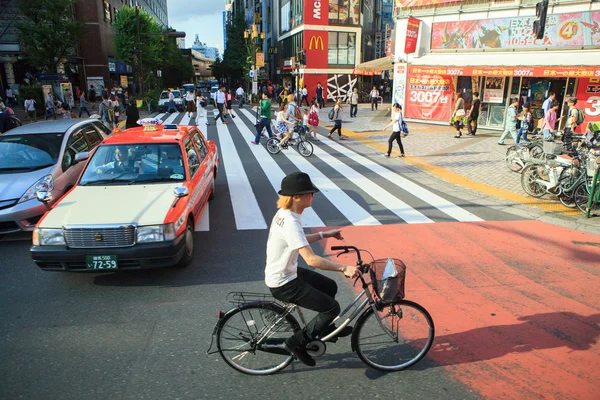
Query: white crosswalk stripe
[[171, 118]]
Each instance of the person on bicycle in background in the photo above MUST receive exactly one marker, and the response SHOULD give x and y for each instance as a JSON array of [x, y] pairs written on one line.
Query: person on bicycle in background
[[301, 286]]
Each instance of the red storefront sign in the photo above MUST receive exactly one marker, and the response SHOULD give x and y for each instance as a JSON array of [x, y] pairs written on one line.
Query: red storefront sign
[[316, 12], [412, 34], [428, 95], [550, 72], [588, 100], [420, 3], [316, 45]]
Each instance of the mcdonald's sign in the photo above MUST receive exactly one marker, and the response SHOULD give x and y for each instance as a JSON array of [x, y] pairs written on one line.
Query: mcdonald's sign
[[316, 42]]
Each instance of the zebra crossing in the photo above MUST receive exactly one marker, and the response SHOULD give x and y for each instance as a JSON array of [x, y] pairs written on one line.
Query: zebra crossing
[[355, 189]]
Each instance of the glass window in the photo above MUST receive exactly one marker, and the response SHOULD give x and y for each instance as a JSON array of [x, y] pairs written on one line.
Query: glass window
[[106, 11], [332, 54], [342, 49], [76, 144], [102, 128], [192, 156], [200, 144], [29, 152], [93, 137], [344, 12]]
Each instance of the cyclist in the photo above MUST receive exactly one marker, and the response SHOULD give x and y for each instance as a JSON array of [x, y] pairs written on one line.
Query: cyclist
[[301, 286]]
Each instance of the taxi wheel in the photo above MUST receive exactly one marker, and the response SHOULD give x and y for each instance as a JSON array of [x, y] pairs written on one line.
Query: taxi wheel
[[188, 247], [212, 190]]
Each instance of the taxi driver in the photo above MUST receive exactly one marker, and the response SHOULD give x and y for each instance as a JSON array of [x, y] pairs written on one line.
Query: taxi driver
[[121, 163]]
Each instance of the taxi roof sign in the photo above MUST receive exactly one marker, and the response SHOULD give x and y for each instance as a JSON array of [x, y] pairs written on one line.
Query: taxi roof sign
[[150, 124]]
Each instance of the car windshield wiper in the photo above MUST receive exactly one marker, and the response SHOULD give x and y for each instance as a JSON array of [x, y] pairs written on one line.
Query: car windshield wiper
[[108, 181], [154, 180]]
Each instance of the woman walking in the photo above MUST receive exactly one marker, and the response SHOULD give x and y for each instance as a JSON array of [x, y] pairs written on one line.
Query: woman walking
[[83, 105], [189, 103], [228, 103], [458, 114], [200, 108], [313, 118], [396, 125], [337, 118]]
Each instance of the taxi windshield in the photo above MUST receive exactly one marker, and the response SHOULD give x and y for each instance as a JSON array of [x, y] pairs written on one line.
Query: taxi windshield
[[134, 164]]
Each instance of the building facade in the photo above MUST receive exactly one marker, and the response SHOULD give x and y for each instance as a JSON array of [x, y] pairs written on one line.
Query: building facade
[[208, 52], [489, 47]]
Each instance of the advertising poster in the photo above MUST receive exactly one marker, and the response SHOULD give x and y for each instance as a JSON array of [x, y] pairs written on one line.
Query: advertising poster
[[412, 35], [399, 84], [428, 96], [66, 91], [552, 72], [45, 90], [97, 83], [494, 90], [578, 29], [588, 100], [123, 81]]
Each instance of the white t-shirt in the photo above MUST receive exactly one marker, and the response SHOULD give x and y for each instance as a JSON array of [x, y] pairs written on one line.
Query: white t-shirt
[[397, 127], [304, 92], [30, 105], [286, 236], [239, 91], [305, 120], [171, 96], [280, 116]]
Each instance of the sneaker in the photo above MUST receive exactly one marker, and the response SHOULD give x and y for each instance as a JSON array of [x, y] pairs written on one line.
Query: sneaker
[[400, 155], [207, 123], [386, 155], [233, 116], [253, 142], [301, 355]]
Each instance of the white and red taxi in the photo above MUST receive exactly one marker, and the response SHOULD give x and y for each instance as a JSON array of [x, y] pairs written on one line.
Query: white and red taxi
[[152, 184]]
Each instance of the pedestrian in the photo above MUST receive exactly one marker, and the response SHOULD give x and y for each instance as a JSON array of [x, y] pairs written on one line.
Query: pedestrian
[[526, 124], [458, 113], [572, 117], [190, 102], [264, 112], [220, 100], [50, 111], [302, 286], [132, 114], [83, 105], [116, 108], [374, 98], [550, 120], [473, 114], [229, 103], [10, 97], [201, 108], [313, 117], [548, 102], [240, 95], [320, 95], [92, 96], [511, 121], [171, 102], [338, 111], [106, 111], [353, 103], [397, 131], [30, 109], [66, 111], [305, 96]]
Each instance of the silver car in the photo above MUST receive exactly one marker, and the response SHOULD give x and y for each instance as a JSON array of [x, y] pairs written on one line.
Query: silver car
[[41, 156]]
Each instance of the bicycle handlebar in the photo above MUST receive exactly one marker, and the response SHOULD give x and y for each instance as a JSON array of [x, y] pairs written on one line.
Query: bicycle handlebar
[[346, 249]]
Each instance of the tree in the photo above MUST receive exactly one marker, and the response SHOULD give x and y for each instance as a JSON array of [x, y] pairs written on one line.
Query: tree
[[48, 33], [218, 69], [238, 55], [177, 69]]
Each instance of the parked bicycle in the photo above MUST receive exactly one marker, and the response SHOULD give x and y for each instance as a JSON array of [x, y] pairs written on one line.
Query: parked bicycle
[[517, 156], [274, 145], [391, 333], [586, 194]]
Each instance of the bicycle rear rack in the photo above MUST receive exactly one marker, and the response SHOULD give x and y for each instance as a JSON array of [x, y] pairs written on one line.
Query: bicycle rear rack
[[239, 298]]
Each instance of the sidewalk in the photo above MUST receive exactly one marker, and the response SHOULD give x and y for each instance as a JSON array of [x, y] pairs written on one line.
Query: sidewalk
[[472, 162]]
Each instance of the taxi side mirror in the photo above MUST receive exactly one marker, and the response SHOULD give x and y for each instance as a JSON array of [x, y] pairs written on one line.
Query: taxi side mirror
[[79, 157], [180, 192]]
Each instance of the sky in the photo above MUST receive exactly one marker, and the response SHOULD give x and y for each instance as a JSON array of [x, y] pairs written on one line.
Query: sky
[[202, 17]]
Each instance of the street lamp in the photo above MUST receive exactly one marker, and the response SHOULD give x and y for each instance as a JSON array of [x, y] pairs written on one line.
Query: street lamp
[[254, 38]]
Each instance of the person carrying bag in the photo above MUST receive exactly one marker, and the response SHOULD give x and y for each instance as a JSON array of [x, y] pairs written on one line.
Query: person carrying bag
[[399, 129]]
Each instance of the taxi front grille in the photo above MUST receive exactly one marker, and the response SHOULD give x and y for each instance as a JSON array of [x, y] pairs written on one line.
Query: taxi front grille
[[100, 237]]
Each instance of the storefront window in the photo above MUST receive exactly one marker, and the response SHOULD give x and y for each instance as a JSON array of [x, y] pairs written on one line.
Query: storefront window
[[342, 48], [291, 14], [493, 101], [344, 12], [290, 46]]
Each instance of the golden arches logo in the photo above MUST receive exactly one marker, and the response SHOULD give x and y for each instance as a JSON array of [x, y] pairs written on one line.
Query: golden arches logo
[[316, 41]]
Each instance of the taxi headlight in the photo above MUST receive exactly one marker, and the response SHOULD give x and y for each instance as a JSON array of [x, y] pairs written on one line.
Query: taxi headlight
[[48, 237], [45, 184], [155, 233]]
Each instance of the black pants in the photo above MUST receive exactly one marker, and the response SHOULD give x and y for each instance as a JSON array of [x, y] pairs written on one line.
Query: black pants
[[472, 118], [395, 136], [337, 126], [353, 109], [321, 101], [315, 292], [373, 103], [220, 114], [304, 99]]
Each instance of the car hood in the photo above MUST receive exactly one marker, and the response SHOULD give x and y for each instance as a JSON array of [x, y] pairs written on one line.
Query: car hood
[[13, 186], [137, 204]]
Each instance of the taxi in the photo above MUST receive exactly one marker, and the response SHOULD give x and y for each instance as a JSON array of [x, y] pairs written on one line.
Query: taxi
[[153, 183]]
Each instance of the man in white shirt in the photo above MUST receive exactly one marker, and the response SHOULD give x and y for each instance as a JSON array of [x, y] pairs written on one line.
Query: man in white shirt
[[220, 99], [10, 99], [171, 102], [304, 96], [240, 95], [301, 286], [374, 97]]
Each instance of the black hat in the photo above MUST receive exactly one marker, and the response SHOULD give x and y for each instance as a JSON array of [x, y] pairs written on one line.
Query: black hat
[[297, 183]]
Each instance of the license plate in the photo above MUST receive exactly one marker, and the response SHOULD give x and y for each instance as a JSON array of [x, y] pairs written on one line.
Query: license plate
[[101, 262]]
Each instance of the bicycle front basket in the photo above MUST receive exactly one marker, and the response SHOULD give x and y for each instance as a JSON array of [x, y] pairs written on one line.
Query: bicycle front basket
[[387, 276], [553, 147]]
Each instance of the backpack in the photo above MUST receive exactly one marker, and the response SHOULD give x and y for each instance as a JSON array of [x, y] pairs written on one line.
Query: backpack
[[331, 114], [109, 112], [579, 117]]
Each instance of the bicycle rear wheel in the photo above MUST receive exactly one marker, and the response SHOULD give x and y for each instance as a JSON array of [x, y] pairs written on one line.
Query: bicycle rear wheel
[[305, 148], [273, 146], [512, 159], [250, 338], [528, 181], [395, 338]]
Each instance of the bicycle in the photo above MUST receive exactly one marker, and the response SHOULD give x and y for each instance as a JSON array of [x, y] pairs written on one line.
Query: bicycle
[[585, 201], [304, 147], [518, 155], [250, 336]]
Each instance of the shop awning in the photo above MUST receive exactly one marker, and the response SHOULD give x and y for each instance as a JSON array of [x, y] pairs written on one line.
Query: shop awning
[[374, 67], [584, 58]]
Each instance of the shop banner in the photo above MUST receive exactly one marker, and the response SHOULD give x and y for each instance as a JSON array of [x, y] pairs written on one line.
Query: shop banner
[[316, 12], [412, 35], [540, 72], [429, 96], [124, 81], [66, 91], [578, 29], [494, 89], [420, 3], [316, 45], [399, 84], [588, 100]]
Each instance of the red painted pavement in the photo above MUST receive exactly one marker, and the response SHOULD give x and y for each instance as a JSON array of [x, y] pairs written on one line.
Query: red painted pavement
[[516, 304]]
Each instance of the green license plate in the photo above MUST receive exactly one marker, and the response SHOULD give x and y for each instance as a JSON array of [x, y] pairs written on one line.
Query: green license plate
[[101, 262]]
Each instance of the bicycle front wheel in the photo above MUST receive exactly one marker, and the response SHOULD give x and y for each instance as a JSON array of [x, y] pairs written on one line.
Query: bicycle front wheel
[[305, 148], [273, 146], [529, 177], [250, 338], [395, 338], [513, 160]]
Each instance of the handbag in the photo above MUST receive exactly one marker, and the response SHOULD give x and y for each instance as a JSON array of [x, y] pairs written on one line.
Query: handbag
[[460, 113], [313, 119]]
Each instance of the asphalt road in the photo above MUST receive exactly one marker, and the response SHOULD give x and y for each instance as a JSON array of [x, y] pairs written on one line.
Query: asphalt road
[[144, 335]]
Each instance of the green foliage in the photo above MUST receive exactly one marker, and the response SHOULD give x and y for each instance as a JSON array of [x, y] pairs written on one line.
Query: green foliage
[[218, 69], [237, 57], [177, 68], [48, 33], [151, 96]]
